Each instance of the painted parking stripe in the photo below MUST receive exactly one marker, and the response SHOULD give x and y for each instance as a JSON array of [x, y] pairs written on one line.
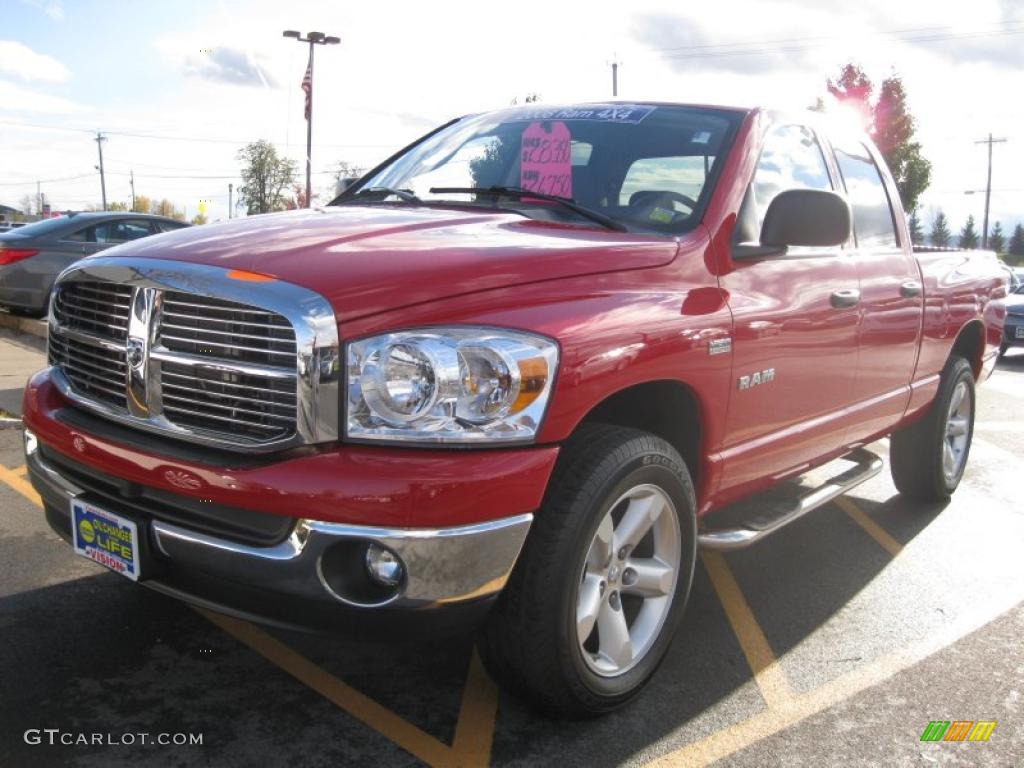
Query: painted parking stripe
[[873, 529], [767, 671], [406, 735], [14, 480], [732, 739]]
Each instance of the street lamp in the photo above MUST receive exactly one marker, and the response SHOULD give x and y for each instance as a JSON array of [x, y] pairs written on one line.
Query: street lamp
[[313, 38]]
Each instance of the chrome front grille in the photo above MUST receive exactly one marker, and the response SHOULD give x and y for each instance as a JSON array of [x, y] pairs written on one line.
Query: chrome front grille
[[153, 348], [95, 308], [95, 371], [260, 407]]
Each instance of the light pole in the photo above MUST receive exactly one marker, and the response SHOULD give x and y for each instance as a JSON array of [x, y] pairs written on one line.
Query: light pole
[[313, 38]]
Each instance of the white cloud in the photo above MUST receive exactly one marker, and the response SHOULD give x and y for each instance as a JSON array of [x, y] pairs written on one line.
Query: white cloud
[[388, 83], [21, 61], [15, 98], [52, 8]]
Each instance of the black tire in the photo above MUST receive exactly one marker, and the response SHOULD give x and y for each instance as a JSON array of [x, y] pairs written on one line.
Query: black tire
[[916, 451], [529, 644]]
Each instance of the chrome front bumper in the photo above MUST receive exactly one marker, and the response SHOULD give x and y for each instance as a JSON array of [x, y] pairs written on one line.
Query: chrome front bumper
[[443, 566]]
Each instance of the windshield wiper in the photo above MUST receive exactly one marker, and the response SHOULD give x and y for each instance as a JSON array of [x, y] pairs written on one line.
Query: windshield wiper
[[404, 194], [520, 192]]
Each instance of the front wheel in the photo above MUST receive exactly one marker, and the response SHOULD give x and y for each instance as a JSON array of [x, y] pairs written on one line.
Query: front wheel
[[928, 458], [599, 589]]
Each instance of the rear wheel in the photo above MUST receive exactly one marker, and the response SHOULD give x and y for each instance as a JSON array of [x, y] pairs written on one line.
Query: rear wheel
[[599, 589], [928, 458]]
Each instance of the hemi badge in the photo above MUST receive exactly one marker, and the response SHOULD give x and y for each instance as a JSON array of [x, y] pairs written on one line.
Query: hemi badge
[[719, 346]]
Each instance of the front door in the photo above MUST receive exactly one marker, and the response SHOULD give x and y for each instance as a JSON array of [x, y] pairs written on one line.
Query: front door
[[795, 331]]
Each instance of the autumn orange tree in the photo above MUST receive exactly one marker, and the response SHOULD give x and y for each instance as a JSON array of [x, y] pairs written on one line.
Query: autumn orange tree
[[892, 127]]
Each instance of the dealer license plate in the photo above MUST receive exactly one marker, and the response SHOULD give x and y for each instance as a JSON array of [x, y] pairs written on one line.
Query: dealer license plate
[[106, 538]]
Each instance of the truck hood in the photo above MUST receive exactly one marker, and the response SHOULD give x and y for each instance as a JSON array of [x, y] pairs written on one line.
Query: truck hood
[[372, 258]]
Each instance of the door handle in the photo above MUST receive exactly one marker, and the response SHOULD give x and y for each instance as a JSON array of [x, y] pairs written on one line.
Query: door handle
[[845, 298], [910, 289]]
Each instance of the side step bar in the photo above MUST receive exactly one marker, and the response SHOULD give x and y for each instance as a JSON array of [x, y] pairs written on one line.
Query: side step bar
[[766, 513]]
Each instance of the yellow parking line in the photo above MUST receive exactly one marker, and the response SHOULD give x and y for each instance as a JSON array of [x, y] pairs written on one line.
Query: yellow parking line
[[22, 471], [768, 673], [359, 705], [18, 483], [732, 739], [873, 529], [474, 732]]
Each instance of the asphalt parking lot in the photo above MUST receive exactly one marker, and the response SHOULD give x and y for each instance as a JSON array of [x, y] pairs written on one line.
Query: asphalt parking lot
[[836, 640]]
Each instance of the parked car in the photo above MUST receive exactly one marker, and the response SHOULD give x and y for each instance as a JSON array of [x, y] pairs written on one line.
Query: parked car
[[1013, 333], [512, 378], [32, 256]]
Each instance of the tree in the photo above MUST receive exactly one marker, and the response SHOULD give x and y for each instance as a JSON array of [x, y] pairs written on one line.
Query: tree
[[199, 218], [1016, 247], [27, 204], [889, 121], [166, 208], [142, 204], [914, 225], [996, 238], [969, 235], [265, 176], [940, 230], [117, 206]]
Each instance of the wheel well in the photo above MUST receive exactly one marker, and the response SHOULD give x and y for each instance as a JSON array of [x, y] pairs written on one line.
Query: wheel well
[[667, 409], [970, 345]]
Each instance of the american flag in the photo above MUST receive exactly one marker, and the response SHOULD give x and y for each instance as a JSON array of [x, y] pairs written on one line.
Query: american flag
[[307, 86]]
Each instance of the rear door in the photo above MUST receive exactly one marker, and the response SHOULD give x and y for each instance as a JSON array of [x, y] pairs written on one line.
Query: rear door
[[891, 303], [794, 341]]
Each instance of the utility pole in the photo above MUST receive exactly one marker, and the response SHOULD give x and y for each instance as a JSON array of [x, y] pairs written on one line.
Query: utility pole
[[100, 138], [615, 76], [231, 188], [988, 186], [313, 38], [39, 200], [131, 180]]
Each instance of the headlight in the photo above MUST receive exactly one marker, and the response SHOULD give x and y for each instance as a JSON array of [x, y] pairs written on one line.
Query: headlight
[[449, 385]]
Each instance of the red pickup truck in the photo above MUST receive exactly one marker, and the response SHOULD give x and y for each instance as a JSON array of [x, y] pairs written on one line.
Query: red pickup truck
[[513, 377]]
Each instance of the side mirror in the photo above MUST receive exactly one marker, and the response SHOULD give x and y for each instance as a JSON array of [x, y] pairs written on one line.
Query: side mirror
[[808, 217]]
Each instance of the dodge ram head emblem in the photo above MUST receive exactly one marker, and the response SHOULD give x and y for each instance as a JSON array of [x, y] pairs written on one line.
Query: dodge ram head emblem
[[182, 479], [757, 378], [136, 352]]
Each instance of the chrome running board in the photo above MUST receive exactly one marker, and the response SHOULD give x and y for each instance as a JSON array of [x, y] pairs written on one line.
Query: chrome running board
[[747, 522]]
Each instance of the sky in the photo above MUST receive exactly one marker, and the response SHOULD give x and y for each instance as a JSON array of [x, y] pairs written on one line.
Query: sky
[[178, 88]]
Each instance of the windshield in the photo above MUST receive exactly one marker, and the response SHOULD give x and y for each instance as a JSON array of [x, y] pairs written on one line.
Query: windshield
[[647, 167]]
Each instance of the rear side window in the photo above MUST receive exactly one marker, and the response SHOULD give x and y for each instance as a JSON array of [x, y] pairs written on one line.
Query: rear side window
[[791, 159], [121, 231], [872, 215], [685, 175]]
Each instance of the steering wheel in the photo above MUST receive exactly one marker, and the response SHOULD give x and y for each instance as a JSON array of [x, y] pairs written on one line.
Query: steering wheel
[[650, 199]]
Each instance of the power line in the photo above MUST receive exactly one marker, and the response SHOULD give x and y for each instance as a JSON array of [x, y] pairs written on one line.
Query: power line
[[164, 137], [45, 181]]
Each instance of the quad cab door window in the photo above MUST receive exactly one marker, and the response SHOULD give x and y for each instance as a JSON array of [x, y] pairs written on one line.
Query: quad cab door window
[[789, 322]]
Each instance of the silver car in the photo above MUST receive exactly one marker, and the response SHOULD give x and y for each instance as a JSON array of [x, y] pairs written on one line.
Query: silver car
[[32, 256]]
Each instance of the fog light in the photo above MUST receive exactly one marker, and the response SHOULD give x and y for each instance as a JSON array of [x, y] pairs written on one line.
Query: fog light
[[31, 444], [383, 566]]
